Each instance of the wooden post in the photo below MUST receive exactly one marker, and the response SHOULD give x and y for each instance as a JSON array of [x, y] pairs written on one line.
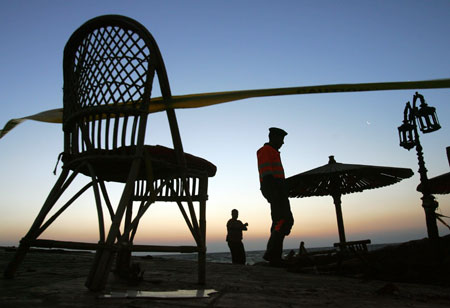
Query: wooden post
[[340, 220], [202, 253]]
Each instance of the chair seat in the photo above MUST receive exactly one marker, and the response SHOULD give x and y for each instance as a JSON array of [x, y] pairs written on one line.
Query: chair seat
[[114, 165]]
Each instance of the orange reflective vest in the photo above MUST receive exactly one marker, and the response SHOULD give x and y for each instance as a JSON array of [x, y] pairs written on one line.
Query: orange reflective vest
[[269, 162]]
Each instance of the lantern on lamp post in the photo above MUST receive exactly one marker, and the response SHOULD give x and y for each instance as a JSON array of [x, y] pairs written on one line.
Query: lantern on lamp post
[[428, 122]]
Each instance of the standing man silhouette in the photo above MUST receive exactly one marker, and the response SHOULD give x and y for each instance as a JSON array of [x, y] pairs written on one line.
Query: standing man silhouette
[[234, 238], [273, 188]]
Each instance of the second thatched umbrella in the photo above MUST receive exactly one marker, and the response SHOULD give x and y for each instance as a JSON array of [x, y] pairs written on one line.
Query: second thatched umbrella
[[438, 185], [441, 183], [336, 179]]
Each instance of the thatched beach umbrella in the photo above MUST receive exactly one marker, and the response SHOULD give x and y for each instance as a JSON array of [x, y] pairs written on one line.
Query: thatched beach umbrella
[[336, 179]]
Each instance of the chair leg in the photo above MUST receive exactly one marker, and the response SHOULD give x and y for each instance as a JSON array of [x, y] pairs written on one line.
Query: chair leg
[[105, 253], [14, 264], [123, 259], [202, 252], [34, 231]]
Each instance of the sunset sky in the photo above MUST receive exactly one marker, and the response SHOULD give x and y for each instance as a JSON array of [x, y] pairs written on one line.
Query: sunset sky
[[211, 46]]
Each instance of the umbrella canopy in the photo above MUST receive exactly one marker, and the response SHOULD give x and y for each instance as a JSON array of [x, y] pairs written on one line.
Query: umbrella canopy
[[441, 183], [336, 179], [438, 185]]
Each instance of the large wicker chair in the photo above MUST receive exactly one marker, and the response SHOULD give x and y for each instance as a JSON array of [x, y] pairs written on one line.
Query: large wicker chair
[[109, 66]]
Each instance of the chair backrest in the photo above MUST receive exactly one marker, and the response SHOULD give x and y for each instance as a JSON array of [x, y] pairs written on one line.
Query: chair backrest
[[109, 66]]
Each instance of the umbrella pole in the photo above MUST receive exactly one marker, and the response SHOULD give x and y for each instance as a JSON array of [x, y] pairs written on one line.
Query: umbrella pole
[[340, 220]]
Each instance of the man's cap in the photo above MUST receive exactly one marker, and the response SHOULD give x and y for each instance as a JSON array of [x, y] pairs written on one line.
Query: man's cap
[[277, 131]]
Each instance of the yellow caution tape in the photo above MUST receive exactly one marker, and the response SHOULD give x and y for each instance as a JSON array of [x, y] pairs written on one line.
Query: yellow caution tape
[[208, 99]]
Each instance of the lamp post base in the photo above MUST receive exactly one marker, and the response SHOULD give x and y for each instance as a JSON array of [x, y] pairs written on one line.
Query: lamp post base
[[430, 205]]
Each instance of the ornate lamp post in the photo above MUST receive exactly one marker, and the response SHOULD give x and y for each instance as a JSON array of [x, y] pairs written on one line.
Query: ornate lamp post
[[428, 122]]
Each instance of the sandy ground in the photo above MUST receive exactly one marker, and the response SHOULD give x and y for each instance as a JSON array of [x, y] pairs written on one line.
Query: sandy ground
[[57, 279]]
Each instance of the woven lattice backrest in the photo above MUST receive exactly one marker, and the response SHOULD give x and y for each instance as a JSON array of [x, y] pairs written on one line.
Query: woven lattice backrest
[[109, 67]]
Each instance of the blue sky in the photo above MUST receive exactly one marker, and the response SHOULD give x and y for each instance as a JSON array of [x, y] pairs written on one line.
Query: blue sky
[[213, 46]]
